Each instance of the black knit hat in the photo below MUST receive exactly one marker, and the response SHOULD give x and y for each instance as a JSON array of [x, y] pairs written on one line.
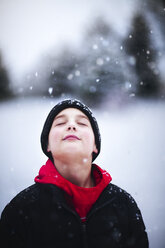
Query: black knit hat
[[57, 109]]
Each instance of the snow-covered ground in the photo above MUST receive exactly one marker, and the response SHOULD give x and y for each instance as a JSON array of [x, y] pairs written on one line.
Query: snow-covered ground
[[133, 151]]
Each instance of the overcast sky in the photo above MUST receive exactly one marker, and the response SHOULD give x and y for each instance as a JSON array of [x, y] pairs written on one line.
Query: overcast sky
[[30, 28]]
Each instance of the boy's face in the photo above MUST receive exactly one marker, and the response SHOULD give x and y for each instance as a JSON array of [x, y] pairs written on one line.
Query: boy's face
[[71, 135]]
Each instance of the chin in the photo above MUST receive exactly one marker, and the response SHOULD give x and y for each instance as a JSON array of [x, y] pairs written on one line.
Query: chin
[[72, 154]]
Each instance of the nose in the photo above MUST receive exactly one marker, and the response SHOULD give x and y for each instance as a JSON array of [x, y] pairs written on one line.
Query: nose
[[71, 127]]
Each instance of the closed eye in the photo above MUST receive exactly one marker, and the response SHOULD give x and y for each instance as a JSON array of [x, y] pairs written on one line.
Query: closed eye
[[60, 123], [82, 124]]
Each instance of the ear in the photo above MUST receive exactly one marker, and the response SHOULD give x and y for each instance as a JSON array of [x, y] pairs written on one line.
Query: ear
[[95, 149], [48, 149]]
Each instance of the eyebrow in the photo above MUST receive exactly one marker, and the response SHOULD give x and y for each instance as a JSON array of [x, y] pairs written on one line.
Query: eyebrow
[[64, 116], [83, 116], [59, 116]]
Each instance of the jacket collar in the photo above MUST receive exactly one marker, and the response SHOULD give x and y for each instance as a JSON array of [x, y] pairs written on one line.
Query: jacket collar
[[108, 195]]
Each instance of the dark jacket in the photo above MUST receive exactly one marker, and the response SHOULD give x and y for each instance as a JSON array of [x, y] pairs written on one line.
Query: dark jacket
[[39, 217]]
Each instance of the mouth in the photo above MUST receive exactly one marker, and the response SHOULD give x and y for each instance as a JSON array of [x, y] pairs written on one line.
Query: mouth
[[71, 137]]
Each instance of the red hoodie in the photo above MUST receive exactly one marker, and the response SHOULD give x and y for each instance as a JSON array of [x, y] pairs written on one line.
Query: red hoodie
[[81, 198]]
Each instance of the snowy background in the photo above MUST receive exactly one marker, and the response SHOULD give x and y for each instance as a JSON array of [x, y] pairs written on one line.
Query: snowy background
[[32, 36], [31, 28]]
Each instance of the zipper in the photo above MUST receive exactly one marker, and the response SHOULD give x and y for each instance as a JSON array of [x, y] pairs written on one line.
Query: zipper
[[84, 235], [82, 226]]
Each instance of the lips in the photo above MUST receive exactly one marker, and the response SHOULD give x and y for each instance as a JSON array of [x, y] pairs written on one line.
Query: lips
[[71, 137]]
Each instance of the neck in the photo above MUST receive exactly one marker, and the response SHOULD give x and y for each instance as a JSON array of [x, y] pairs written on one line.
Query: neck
[[76, 172]]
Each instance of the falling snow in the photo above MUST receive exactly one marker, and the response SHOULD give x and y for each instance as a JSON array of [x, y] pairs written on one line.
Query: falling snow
[[77, 73], [108, 59], [132, 95], [85, 160], [132, 60], [50, 90], [99, 61], [128, 85], [36, 74], [95, 47], [70, 76]]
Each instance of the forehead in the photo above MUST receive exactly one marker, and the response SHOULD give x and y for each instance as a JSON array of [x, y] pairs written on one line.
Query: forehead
[[72, 112]]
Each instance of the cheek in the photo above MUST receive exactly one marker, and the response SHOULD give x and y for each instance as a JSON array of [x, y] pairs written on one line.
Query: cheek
[[54, 136], [89, 137]]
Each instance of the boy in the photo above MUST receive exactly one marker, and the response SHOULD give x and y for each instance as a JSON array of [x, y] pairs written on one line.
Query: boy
[[72, 203]]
